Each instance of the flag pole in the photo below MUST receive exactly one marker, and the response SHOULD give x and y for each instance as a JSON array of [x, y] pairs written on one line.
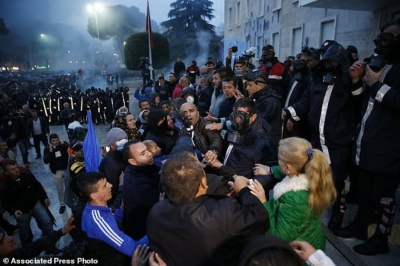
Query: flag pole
[[150, 41]]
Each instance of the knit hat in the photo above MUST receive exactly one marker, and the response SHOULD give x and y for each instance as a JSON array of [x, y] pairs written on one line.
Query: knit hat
[[115, 134]]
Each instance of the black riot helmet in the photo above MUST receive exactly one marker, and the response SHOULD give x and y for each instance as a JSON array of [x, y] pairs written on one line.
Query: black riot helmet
[[334, 52]]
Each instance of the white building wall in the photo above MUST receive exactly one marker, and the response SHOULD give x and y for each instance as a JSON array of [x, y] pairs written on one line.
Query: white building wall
[[280, 17]]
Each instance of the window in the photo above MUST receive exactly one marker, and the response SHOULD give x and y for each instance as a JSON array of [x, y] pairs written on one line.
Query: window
[[276, 5], [230, 18], [276, 43], [238, 22], [327, 30], [261, 7], [296, 41]]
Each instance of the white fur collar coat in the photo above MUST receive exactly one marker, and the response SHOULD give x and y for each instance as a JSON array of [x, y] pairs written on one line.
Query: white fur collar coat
[[294, 183]]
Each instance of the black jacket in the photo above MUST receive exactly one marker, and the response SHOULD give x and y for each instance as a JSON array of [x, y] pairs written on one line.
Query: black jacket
[[338, 113], [297, 88], [269, 107], [43, 123], [256, 147], [56, 163], [23, 194], [141, 192], [376, 144], [112, 166], [209, 230], [212, 138], [165, 141]]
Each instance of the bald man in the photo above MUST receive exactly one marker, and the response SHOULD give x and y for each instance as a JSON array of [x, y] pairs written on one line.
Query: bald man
[[211, 137]]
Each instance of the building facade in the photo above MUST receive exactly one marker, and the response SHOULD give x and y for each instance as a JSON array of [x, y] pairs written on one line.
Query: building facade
[[289, 25]]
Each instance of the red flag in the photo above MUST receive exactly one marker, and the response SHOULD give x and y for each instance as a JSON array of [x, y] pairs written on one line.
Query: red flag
[[148, 27]]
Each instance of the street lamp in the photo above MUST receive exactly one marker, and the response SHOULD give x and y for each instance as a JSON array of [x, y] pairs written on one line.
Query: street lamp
[[94, 9]]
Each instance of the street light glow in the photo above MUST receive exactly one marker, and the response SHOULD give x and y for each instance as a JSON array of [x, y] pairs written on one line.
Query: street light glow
[[98, 6], [42, 35], [94, 9], [89, 8]]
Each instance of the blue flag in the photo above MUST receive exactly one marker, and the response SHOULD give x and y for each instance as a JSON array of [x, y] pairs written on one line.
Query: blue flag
[[91, 148]]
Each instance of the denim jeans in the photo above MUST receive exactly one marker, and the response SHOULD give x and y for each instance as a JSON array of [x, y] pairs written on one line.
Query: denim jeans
[[59, 180], [24, 148], [41, 216]]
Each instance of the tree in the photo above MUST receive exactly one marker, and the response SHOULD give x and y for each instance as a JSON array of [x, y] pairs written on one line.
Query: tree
[[137, 46], [188, 29], [3, 28], [117, 22]]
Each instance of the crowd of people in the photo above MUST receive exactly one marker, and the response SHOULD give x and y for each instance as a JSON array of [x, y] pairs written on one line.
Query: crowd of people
[[224, 165]]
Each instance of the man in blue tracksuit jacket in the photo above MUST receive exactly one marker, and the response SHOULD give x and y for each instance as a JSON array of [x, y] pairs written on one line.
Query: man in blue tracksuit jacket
[[106, 242]]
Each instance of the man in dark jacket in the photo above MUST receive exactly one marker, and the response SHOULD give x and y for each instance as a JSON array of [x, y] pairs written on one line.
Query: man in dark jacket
[[376, 148], [141, 192], [211, 137], [67, 115], [250, 142], [24, 197], [56, 155], [39, 130], [10, 249], [300, 82], [211, 229], [331, 111], [268, 102], [113, 165], [179, 67]]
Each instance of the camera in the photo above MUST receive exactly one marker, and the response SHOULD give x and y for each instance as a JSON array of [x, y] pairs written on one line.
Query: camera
[[375, 62], [234, 49]]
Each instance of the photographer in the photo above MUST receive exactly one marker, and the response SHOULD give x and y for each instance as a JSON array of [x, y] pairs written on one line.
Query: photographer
[[376, 145]]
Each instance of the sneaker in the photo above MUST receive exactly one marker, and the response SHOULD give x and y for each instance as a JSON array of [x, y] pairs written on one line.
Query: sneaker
[[62, 209]]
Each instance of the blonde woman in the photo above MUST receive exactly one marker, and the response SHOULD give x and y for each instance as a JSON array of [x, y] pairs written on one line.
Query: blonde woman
[[300, 199]]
